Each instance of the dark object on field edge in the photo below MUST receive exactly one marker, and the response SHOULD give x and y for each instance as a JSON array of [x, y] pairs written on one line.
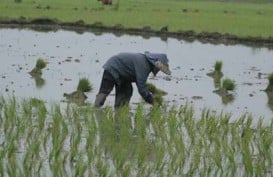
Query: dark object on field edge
[[106, 2]]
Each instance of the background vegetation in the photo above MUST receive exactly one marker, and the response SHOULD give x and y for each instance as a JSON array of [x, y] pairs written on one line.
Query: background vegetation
[[242, 18]]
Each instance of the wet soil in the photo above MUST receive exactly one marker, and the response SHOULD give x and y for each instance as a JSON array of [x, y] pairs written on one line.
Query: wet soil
[[45, 24]]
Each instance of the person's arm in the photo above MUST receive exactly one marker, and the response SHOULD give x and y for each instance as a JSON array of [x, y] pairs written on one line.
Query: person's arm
[[142, 88]]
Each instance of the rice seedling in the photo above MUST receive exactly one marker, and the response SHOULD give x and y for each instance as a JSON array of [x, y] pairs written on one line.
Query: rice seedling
[[218, 67], [40, 64], [217, 72], [158, 93], [79, 96], [153, 89], [37, 70], [172, 142], [84, 85], [228, 85]]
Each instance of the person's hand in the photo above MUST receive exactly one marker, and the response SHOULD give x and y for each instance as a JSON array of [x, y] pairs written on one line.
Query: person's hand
[[155, 102]]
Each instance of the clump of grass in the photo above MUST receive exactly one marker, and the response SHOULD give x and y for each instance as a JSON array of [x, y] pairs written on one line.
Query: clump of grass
[[18, 1], [228, 84], [84, 85], [40, 64], [270, 84]]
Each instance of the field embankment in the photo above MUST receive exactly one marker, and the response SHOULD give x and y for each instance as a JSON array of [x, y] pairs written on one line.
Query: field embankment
[[245, 22]]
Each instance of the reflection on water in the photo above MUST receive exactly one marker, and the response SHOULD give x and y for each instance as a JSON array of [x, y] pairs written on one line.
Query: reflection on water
[[226, 99], [70, 56], [270, 100], [39, 81]]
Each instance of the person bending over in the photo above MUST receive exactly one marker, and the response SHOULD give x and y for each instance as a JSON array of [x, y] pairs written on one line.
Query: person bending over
[[121, 70]]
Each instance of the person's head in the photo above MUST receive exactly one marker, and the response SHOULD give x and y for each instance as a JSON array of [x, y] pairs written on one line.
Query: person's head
[[159, 61]]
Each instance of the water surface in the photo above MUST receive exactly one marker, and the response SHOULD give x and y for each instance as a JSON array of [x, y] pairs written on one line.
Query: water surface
[[71, 56]]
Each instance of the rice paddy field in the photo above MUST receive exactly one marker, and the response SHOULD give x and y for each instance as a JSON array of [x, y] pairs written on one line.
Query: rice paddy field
[[37, 140], [241, 18], [43, 139]]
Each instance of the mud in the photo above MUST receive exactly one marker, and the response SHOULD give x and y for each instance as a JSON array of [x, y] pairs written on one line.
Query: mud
[[45, 24]]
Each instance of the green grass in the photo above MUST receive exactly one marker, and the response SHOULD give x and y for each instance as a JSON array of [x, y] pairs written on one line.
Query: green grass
[[47, 140], [238, 18]]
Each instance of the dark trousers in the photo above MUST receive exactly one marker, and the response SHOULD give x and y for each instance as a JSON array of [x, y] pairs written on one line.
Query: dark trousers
[[124, 89]]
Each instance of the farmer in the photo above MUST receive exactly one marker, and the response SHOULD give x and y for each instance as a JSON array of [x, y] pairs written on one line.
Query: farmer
[[123, 69]]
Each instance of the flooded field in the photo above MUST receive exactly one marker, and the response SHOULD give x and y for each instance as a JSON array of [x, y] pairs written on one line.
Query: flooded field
[[71, 56]]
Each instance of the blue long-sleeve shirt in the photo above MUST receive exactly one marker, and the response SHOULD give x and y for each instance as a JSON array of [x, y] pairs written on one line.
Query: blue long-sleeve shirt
[[133, 67]]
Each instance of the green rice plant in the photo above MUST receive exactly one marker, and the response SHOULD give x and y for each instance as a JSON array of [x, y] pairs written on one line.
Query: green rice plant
[[270, 83], [40, 64], [214, 146], [101, 167], [172, 122], [80, 167], [217, 73], [126, 171], [141, 156], [37, 70], [84, 85], [228, 84], [158, 93], [214, 18], [218, 66], [158, 100], [247, 160], [140, 126], [2, 170], [153, 89], [196, 159]]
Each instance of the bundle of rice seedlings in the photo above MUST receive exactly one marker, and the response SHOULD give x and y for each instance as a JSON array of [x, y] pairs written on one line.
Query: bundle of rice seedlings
[[40, 64], [217, 73], [84, 85], [158, 93], [228, 84]]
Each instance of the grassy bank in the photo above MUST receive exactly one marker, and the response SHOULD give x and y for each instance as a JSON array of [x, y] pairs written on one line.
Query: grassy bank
[[80, 141], [242, 19]]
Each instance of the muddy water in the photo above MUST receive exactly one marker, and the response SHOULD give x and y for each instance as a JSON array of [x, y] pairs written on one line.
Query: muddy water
[[71, 56]]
